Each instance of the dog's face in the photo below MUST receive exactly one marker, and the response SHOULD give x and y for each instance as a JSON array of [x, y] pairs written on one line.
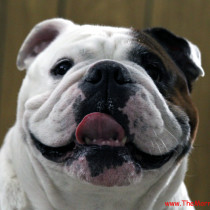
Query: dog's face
[[107, 105]]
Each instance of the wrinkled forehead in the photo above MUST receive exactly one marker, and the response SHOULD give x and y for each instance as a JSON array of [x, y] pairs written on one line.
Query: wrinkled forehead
[[84, 42], [88, 35], [85, 31]]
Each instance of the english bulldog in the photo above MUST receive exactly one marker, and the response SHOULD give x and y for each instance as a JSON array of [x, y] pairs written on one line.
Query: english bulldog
[[104, 119]]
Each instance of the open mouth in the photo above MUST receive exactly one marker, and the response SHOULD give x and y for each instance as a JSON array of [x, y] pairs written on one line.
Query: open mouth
[[100, 129], [102, 134]]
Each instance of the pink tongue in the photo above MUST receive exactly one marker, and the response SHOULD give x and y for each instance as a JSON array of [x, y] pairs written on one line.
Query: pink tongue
[[101, 129]]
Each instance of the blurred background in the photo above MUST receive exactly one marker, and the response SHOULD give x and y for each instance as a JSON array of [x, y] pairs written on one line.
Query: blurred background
[[190, 19]]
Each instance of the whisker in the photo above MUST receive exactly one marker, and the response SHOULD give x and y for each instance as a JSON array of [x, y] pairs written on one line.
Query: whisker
[[161, 140], [152, 147], [158, 147], [172, 135]]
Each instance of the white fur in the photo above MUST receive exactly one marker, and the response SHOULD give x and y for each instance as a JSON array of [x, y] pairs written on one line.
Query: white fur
[[195, 56], [29, 181]]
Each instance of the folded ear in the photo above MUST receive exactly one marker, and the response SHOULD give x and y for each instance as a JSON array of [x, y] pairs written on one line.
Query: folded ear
[[38, 39], [185, 54]]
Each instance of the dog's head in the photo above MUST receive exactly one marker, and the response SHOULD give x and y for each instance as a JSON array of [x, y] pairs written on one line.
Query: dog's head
[[107, 105]]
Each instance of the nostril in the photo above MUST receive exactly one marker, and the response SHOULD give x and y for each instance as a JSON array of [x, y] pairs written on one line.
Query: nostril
[[118, 77], [94, 77], [121, 76]]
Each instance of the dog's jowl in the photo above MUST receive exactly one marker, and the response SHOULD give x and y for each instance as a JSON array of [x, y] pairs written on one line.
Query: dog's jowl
[[104, 119]]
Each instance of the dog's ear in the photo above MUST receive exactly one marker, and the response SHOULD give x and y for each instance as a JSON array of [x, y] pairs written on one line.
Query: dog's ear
[[38, 39], [185, 54]]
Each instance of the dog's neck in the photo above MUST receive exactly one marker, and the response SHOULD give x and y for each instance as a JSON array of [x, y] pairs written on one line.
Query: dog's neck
[[64, 191]]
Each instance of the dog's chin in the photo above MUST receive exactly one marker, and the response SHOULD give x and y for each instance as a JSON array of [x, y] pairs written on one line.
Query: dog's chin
[[101, 153], [123, 174]]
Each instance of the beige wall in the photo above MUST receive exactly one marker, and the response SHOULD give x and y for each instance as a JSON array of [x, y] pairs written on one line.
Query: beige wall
[[189, 18]]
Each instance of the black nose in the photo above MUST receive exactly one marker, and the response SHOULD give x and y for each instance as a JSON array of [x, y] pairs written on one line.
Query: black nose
[[107, 87], [108, 73]]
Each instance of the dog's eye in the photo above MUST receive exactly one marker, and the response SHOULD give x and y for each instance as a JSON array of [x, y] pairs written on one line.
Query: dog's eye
[[154, 72], [62, 67]]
